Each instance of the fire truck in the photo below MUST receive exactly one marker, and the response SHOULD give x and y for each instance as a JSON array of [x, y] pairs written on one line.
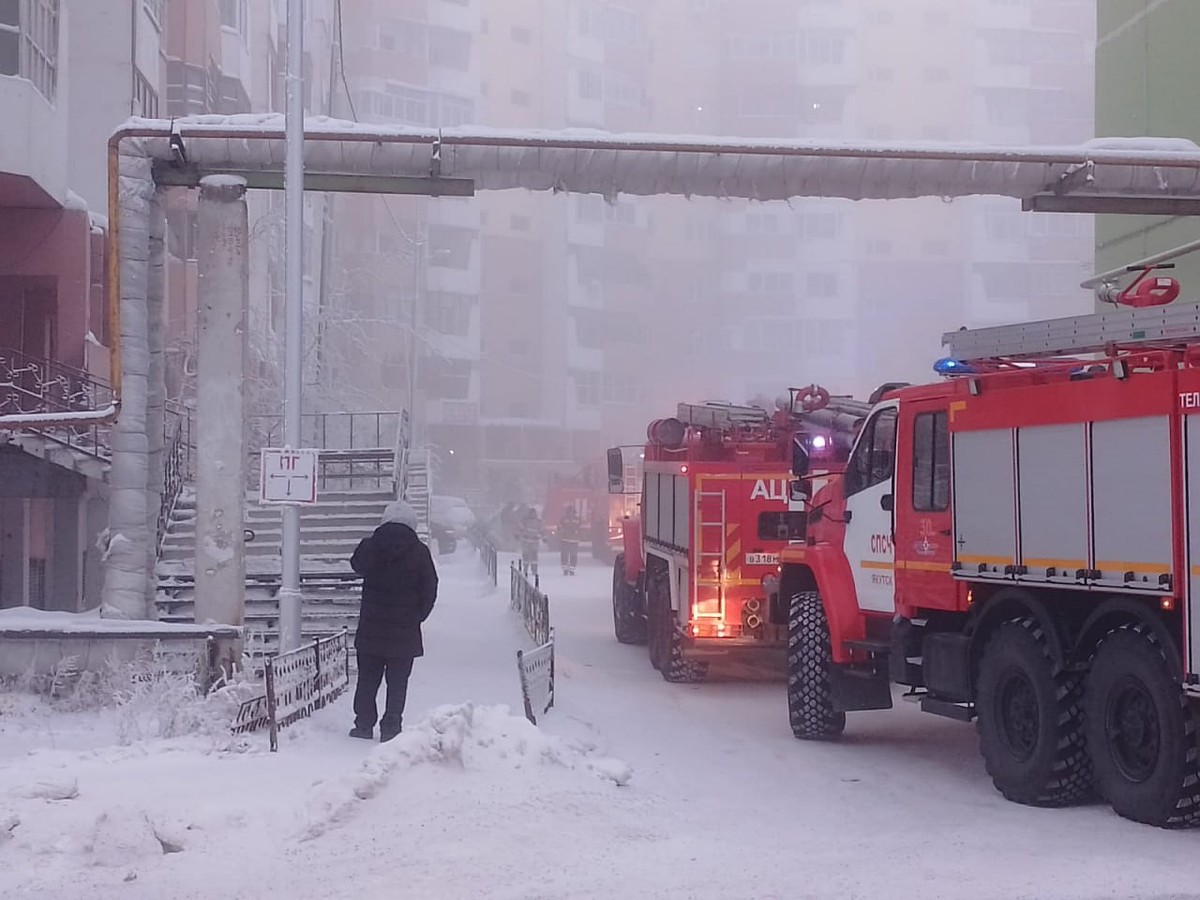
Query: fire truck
[[600, 509], [1019, 545], [699, 563]]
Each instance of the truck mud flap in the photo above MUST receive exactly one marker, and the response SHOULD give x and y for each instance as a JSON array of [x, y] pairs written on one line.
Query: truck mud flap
[[856, 689]]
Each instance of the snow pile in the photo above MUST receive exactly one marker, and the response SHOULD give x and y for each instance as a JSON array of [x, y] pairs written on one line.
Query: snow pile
[[468, 737]]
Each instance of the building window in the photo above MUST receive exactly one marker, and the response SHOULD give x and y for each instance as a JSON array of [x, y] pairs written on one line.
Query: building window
[[10, 37], [591, 85], [29, 42], [450, 246], [821, 226], [156, 10], [449, 313], [761, 223], [822, 284], [589, 209], [587, 388], [771, 282], [521, 98], [233, 15], [449, 48], [931, 462], [145, 98], [521, 35]]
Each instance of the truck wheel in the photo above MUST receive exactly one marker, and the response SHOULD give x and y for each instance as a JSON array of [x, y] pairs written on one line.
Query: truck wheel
[[628, 625], [1031, 719], [666, 643], [1141, 731], [810, 701]]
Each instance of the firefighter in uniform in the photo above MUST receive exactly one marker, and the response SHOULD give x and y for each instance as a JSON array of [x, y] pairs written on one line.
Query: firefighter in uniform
[[529, 533], [569, 528]]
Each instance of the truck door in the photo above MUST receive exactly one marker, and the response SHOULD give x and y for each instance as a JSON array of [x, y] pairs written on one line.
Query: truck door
[[870, 498], [924, 530]]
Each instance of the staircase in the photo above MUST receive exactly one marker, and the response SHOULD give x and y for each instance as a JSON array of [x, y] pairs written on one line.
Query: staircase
[[418, 488], [329, 532]]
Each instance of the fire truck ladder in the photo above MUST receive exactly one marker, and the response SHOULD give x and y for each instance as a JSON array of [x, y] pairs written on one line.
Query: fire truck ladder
[[1173, 324], [703, 555], [720, 415]]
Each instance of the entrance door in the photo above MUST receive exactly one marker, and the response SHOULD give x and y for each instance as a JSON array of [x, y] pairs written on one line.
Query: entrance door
[[870, 499]]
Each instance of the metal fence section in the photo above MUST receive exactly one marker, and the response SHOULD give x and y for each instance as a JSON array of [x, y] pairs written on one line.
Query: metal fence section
[[487, 554], [527, 598], [297, 683], [32, 385], [536, 668]]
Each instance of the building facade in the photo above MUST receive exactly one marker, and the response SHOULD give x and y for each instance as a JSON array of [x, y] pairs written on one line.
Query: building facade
[[1144, 68]]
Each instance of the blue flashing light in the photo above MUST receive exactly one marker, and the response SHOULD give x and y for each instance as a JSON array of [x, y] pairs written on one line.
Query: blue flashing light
[[949, 366]]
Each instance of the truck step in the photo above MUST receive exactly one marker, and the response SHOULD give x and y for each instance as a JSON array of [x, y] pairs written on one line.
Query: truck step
[[963, 712], [869, 648]]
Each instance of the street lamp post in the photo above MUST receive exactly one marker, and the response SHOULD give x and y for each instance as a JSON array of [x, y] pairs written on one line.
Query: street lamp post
[[293, 189]]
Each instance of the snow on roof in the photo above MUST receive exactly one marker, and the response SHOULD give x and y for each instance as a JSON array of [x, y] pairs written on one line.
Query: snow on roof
[[25, 621], [589, 161]]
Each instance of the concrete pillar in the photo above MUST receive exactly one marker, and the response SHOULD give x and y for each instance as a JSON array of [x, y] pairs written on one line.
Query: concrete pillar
[[156, 389], [65, 575], [221, 360], [126, 559], [14, 551]]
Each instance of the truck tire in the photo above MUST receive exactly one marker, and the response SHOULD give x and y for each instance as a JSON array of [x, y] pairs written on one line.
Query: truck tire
[[1031, 719], [810, 701], [1142, 731], [666, 642], [628, 624]]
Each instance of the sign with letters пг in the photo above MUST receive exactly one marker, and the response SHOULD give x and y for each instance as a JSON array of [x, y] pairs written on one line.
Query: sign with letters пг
[[288, 476]]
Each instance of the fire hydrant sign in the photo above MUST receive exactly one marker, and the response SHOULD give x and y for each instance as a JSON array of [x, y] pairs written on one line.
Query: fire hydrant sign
[[288, 476]]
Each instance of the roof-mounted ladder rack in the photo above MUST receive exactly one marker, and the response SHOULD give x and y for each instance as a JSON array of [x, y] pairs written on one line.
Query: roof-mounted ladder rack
[[1174, 324], [720, 415]]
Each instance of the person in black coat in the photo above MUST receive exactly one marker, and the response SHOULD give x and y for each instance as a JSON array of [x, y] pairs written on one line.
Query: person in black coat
[[399, 590]]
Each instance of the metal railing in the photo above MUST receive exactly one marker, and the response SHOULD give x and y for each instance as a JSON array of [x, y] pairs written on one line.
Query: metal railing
[[328, 431], [527, 598], [487, 553], [29, 385], [179, 457]]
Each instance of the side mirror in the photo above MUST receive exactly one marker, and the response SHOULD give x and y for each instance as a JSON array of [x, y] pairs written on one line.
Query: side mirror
[[616, 471], [887, 502], [799, 457]]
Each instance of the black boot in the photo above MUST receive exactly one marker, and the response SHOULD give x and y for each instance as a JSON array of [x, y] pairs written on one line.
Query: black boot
[[365, 734]]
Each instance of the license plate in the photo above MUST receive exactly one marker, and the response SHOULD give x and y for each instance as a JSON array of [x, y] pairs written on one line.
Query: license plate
[[762, 559]]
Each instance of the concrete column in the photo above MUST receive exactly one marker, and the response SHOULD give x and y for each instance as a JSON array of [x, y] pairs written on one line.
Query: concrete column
[[221, 360], [14, 551], [124, 594], [156, 389], [65, 578]]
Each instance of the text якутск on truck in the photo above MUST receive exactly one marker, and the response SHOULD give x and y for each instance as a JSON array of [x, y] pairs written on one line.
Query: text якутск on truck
[[698, 574], [1020, 545]]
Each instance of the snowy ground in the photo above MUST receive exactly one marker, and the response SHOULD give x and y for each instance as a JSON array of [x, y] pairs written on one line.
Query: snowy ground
[[473, 803]]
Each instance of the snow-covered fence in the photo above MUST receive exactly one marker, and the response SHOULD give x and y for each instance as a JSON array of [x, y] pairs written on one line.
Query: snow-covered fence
[[297, 683], [526, 598], [487, 553], [536, 668]]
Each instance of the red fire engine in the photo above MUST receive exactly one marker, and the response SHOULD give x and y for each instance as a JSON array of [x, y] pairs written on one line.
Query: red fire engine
[[599, 509], [699, 564], [1019, 545]]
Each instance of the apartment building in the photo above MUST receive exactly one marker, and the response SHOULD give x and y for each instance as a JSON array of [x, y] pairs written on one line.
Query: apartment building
[[71, 73], [1145, 67]]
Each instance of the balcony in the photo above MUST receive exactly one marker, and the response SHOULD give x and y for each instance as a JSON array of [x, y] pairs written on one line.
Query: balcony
[[35, 155]]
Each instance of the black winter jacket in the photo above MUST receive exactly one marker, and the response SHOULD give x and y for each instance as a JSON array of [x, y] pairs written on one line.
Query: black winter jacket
[[399, 590]]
